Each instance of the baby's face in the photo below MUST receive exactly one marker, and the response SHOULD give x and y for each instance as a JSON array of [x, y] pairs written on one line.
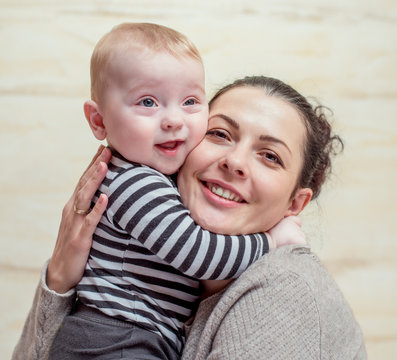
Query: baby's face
[[154, 109]]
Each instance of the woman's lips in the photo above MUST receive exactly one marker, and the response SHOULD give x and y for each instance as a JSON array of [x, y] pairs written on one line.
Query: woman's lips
[[222, 193]]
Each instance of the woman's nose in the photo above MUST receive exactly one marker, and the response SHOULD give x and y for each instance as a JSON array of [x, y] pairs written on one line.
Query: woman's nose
[[235, 164]]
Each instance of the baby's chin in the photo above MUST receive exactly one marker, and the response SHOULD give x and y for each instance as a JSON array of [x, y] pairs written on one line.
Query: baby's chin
[[166, 170]]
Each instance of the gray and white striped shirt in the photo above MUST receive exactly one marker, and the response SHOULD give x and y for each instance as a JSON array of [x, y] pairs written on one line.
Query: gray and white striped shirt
[[148, 254]]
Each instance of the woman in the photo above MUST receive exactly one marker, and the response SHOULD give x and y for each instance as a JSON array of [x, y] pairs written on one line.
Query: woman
[[271, 150]]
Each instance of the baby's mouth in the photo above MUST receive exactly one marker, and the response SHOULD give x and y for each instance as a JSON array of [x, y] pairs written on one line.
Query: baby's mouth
[[223, 193], [170, 145]]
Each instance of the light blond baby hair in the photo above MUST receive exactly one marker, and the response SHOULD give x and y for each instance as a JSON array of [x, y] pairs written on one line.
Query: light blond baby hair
[[155, 37]]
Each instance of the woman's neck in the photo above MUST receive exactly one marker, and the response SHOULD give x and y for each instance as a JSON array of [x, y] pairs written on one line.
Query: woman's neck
[[211, 287]]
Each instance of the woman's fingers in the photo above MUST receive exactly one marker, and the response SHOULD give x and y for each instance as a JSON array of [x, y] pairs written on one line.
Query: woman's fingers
[[74, 240], [93, 162], [92, 219], [90, 181], [89, 169], [100, 156]]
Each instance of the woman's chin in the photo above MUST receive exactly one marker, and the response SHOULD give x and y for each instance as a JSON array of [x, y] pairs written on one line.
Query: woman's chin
[[217, 226], [209, 223]]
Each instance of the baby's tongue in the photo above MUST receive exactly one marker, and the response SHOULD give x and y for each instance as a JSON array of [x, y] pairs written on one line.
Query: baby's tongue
[[169, 145]]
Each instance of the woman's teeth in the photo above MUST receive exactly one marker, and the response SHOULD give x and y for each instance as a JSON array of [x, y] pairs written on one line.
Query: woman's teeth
[[226, 194]]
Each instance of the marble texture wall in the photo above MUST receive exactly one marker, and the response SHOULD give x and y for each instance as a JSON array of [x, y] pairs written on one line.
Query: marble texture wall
[[342, 52]]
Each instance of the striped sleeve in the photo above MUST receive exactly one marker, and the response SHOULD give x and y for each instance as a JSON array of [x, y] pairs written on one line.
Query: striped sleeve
[[146, 205]]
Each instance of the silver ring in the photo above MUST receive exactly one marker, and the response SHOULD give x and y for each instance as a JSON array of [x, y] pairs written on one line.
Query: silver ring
[[81, 212]]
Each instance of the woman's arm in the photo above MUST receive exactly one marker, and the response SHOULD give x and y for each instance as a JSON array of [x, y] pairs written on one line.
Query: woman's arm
[[55, 293], [44, 318]]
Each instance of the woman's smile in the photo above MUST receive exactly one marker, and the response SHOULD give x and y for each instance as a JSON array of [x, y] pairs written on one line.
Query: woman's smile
[[222, 191]]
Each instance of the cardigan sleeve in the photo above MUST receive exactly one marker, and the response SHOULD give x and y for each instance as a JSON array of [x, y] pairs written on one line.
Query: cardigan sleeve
[[43, 321]]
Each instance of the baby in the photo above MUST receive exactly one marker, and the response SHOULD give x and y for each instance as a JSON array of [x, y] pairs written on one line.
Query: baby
[[141, 281]]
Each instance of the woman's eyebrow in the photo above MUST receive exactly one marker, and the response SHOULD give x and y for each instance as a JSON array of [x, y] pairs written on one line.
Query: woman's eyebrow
[[236, 125], [269, 138], [228, 119]]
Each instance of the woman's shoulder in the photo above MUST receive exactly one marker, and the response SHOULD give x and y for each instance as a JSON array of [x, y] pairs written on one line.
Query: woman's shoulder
[[302, 274], [289, 292], [297, 262]]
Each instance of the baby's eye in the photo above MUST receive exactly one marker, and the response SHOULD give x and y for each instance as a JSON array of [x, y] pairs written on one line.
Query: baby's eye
[[147, 102], [189, 102]]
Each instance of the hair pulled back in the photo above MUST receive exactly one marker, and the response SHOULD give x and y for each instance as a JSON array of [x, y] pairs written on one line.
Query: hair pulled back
[[320, 144]]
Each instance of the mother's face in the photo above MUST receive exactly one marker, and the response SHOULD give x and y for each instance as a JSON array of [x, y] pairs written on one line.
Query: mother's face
[[240, 178]]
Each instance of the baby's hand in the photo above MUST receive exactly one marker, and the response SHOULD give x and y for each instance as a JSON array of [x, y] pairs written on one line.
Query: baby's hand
[[287, 232]]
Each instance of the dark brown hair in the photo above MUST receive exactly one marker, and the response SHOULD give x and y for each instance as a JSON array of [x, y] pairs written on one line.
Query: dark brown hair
[[320, 144]]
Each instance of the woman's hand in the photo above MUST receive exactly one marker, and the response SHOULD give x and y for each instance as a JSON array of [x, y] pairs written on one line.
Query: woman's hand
[[74, 241]]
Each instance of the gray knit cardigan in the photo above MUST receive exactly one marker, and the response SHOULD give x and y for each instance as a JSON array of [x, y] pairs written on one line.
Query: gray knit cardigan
[[285, 306]]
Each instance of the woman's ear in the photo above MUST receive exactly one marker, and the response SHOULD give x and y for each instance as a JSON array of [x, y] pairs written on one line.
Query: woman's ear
[[299, 201], [95, 119]]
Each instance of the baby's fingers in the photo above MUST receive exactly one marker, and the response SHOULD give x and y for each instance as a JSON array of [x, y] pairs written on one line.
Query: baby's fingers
[[295, 219]]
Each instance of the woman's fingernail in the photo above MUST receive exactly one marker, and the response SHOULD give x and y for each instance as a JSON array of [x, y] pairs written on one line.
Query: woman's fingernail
[[102, 156]]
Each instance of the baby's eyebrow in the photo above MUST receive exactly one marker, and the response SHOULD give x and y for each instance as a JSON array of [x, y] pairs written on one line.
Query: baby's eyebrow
[[197, 87]]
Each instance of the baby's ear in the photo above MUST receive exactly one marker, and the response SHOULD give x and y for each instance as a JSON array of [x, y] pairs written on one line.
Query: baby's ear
[[95, 119]]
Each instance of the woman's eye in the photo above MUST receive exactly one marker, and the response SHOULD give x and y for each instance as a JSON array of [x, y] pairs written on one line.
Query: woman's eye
[[189, 102], [217, 133], [269, 156], [147, 102]]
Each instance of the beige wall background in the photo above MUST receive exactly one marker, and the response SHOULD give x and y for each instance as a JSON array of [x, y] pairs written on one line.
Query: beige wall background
[[342, 52]]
